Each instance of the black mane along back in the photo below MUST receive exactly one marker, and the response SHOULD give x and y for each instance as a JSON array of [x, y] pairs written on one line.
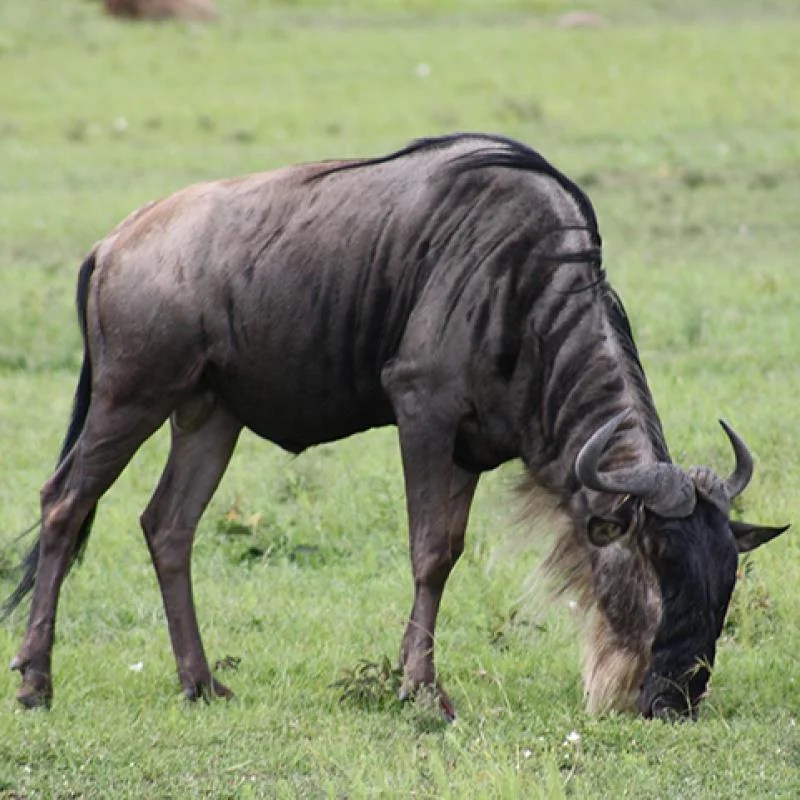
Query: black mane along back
[[509, 154]]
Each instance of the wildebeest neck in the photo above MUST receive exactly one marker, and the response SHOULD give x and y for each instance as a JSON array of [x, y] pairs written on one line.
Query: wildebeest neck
[[589, 372]]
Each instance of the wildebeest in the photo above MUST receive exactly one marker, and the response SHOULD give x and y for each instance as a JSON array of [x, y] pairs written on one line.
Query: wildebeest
[[194, 10], [453, 288]]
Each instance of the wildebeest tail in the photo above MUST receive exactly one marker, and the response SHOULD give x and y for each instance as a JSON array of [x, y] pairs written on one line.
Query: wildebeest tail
[[80, 409]]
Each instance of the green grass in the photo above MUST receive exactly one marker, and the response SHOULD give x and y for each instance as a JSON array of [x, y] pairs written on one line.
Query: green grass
[[684, 127]]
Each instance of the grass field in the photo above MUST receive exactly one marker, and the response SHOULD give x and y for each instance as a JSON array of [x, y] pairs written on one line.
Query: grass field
[[683, 126]]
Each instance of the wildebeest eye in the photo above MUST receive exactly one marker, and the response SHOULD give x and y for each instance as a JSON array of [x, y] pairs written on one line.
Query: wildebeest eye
[[603, 532]]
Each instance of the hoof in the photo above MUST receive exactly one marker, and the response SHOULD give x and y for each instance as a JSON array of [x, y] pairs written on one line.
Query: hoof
[[429, 696], [202, 691], [37, 686], [30, 698], [36, 690], [446, 707]]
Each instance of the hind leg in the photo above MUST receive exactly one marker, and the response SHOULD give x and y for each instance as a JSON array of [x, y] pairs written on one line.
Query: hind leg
[[203, 439], [111, 435]]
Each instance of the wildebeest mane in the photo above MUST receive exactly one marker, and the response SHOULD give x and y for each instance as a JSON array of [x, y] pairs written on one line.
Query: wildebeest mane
[[620, 324], [514, 155], [424, 143], [509, 154], [503, 152]]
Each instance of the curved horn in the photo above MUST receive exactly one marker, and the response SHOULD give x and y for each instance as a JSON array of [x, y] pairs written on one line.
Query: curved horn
[[664, 488], [588, 458], [743, 471]]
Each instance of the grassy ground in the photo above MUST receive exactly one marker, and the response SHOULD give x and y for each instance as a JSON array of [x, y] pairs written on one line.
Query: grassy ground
[[683, 125]]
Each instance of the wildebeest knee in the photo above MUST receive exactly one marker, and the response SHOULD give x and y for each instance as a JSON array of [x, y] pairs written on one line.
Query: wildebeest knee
[[170, 547], [57, 512], [433, 565], [49, 494], [147, 521], [56, 506]]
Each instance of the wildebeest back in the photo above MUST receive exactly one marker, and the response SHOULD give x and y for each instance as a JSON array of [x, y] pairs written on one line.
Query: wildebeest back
[[292, 290]]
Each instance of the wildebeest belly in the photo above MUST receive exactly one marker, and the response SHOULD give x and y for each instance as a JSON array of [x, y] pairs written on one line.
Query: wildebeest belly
[[297, 407]]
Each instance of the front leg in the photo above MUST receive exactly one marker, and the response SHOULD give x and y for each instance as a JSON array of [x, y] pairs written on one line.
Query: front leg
[[436, 545], [438, 498]]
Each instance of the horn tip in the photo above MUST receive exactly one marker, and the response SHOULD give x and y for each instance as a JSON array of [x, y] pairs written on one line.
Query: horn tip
[[731, 433]]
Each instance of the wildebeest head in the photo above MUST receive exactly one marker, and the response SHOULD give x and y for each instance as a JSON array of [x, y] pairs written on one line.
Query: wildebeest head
[[680, 522]]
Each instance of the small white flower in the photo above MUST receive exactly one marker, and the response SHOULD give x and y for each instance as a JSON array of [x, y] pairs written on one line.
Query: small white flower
[[422, 70], [527, 753], [137, 667], [573, 737]]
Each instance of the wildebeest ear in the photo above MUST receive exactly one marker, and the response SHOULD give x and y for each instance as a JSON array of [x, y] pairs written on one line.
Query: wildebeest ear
[[748, 536], [603, 531]]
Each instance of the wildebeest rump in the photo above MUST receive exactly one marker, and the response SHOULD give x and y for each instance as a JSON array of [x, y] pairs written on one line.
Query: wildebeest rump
[[453, 288]]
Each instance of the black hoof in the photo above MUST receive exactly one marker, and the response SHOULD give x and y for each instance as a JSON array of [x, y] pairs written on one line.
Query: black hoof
[[202, 691], [429, 697]]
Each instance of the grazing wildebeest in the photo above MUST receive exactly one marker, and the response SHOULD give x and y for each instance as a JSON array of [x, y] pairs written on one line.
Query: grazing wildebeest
[[454, 289]]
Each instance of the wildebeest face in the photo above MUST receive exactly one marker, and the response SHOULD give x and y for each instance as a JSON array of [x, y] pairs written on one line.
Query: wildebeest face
[[695, 561], [680, 523]]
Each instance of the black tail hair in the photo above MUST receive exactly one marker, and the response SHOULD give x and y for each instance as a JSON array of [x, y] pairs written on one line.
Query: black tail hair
[[80, 409]]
